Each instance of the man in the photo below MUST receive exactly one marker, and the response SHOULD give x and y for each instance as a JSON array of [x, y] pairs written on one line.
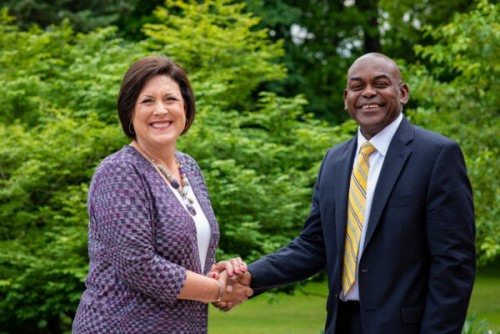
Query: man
[[394, 226]]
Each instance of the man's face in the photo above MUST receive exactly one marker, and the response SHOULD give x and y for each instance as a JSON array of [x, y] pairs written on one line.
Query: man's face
[[375, 93]]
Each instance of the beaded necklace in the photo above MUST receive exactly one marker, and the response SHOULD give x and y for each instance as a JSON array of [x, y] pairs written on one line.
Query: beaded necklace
[[188, 202]]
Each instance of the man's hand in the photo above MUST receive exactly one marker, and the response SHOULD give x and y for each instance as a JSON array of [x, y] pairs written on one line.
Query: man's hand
[[236, 284], [235, 281]]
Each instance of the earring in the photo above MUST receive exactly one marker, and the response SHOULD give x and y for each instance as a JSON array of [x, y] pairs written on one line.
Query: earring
[[131, 129]]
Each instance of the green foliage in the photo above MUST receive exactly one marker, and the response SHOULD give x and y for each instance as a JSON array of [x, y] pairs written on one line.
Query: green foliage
[[320, 39], [83, 15], [333, 33], [60, 89], [473, 325], [243, 144], [42, 69], [409, 16], [458, 96], [45, 172], [259, 151], [227, 59], [260, 167], [259, 156]]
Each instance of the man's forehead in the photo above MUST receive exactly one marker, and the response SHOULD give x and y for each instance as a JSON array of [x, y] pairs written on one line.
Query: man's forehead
[[374, 66], [378, 76]]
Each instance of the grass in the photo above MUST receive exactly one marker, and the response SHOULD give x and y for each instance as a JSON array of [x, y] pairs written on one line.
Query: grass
[[266, 314], [485, 302], [306, 313]]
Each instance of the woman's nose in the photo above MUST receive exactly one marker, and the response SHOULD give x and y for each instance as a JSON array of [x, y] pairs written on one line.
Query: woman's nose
[[160, 108]]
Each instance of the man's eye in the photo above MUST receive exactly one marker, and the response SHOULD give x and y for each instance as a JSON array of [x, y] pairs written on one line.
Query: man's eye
[[382, 84], [356, 87]]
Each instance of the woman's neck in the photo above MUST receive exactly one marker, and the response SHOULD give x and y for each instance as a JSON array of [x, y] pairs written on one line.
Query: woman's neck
[[165, 157]]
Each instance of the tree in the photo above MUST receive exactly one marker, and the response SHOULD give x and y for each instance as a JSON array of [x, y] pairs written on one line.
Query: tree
[[457, 95], [323, 37], [217, 42], [252, 153], [83, 15], [59, 92], [259, 151], [401, 23], [59, 122]]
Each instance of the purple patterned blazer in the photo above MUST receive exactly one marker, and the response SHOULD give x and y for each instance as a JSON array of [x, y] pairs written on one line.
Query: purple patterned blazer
[[141, 242]]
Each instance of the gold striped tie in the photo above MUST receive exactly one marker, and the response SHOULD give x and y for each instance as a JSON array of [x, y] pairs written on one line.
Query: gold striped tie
[[355, 215]]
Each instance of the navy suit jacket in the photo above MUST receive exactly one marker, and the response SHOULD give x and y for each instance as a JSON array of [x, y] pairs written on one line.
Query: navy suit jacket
[[418, 265]]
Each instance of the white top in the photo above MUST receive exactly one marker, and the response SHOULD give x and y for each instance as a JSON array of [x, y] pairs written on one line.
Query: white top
[[202, 225], [381, 142]]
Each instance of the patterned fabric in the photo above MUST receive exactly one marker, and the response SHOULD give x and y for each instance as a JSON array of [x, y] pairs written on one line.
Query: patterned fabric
[[356, 215], [141, 242]]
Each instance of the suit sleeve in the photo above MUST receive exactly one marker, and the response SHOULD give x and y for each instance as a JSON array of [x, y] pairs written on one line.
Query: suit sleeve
[[300, 259], [450, 231]]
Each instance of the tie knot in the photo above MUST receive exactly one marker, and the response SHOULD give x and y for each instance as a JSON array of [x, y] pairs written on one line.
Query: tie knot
[[367, 148]]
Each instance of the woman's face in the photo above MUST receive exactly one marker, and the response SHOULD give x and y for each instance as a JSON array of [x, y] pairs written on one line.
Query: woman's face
[[159, 116]]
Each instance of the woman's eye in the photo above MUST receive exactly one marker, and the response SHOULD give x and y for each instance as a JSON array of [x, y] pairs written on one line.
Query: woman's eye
[[147, 101]]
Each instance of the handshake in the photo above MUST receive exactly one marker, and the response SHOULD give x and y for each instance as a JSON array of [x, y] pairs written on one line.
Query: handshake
[[235, 283]]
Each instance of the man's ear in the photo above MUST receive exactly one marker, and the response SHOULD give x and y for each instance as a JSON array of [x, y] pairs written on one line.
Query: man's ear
[[345, 103], [405, 93]]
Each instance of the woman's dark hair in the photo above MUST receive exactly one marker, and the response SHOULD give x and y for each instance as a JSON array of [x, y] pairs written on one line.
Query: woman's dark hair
[[138, 75]]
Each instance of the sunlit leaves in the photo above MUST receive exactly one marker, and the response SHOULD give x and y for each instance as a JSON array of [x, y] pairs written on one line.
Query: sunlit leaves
[[219, 46]]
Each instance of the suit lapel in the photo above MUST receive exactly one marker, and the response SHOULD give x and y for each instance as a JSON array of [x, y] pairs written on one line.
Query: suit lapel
[[394, 162], [342, 170]]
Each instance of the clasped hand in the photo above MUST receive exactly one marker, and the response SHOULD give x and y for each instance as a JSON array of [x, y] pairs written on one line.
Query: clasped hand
[[235, 280]]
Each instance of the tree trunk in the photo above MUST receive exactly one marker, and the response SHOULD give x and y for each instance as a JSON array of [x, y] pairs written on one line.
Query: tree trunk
[[54, 325], [369, 10]]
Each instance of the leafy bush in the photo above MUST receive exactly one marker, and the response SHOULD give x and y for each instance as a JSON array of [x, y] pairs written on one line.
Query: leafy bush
[[259, 156], [458, 96], [259, 152]]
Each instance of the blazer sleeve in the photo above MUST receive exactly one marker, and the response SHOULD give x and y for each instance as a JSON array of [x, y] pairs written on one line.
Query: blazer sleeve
[[122, 231], [450, 228]]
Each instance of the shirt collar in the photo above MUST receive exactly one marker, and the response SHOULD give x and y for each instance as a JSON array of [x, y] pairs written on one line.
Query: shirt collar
[[382, 139]]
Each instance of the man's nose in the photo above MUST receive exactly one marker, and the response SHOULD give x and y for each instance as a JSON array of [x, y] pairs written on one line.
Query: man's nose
[[369, 91]]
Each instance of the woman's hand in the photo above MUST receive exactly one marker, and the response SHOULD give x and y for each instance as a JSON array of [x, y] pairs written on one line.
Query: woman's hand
[[237, 280]]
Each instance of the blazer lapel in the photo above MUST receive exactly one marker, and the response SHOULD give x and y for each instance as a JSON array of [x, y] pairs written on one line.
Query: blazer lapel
[[200, 191], [394, 162]]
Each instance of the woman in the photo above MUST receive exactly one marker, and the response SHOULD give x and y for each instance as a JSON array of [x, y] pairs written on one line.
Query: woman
[[152, 231]]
